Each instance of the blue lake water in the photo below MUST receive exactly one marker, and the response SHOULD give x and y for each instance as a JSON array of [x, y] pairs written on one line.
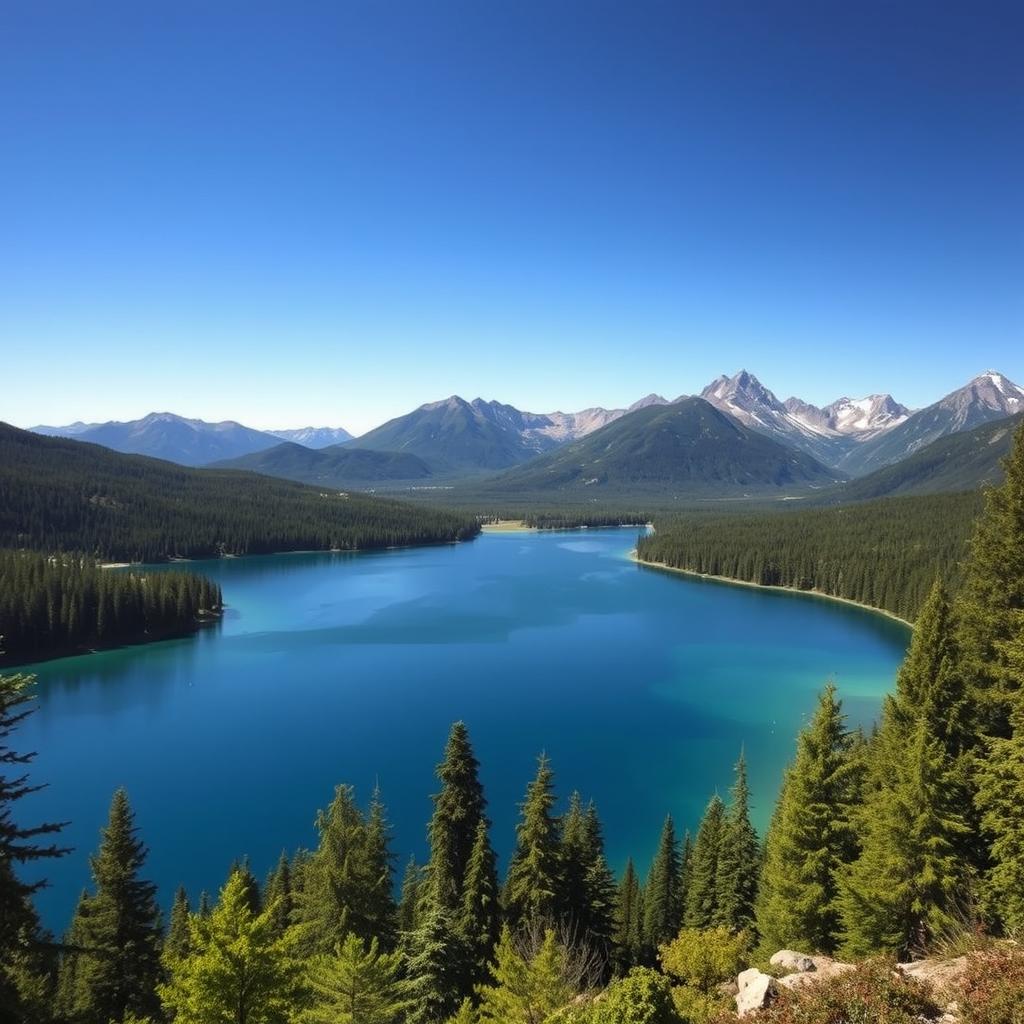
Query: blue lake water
[[642, 686]]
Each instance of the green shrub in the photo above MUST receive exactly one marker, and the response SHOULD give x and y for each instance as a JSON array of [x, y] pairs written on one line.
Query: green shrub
[[874, 993], [642, 997], [993, 988], [695, 1007], [702, 959]]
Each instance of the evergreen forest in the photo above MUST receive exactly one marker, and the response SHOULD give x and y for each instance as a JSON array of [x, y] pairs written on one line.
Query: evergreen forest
[[66, 604], [63, 495]]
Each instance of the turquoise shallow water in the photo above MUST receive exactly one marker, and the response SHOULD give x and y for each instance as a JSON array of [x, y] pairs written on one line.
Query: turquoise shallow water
[[642, 687]]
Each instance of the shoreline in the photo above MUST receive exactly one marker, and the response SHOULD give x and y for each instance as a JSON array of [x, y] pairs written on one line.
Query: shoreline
[[820, 594], [508, 526]]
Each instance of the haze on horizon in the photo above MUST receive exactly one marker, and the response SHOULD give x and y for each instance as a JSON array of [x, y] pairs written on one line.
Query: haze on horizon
[[330, 215]]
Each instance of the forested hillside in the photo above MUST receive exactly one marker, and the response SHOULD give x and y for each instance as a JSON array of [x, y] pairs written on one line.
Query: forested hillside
[[907, 841], [885, 553], [63, 495], [63, 604]]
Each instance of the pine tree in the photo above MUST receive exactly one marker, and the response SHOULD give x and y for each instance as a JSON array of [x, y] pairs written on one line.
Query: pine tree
[[480, 922], [120, 928], [357, 984], [458, 810], [909, 881], [459, 848], [176, 944], [236, 971], [21, 940], [252, 885], [280, 898], [628, 922], [702, 893], [685, 870], [811, 837], [990, 605], [436, 966], [1001, 799], [526, 989], [739, 859], [408, 907], [663, 911], [602, 893], [533, 885], [990, 608], [346, 882]]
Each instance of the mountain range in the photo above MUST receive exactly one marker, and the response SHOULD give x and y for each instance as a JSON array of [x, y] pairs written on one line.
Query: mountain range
[[454, 439]]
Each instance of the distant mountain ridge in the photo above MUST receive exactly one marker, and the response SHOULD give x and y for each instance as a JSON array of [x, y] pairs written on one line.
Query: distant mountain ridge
[[164, 435], [963, 461], [681, 448], [314, 437], [989, 396]]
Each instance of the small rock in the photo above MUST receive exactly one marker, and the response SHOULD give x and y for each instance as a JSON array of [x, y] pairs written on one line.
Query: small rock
[[942, 975], [756, 990], [790, 960], [824, 968]]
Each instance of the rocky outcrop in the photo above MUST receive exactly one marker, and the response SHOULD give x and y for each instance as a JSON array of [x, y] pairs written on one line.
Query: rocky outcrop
[[756, 990], [822, 968], [790, 960]]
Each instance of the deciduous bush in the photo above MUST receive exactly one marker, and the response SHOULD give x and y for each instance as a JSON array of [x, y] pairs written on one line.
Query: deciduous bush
[[993, 988]]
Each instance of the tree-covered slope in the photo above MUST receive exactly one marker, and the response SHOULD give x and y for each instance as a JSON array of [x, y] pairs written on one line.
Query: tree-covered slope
[[959, 462], [62, 495], [336, 466], [884, 553], [673, 451]]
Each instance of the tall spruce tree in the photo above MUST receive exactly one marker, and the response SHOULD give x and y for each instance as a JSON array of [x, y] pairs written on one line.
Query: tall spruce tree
[[280, 898], [909, 883], [663, 911], [21, 941], [176, 943], [602, 893], [346, 882], [702, 893], [409, 903], [459, 847], [629, 923], [990, 605], [458, 809], [811, 837], [739, 859], [480, 922], [534, 882], [685, 869], [118, 928], [990, 608]]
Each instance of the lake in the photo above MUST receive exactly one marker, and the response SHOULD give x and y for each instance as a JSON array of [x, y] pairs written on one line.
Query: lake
[[642, 686]]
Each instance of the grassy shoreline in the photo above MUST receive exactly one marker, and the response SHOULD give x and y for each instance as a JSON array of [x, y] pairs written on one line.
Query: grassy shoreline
[[760, 586]]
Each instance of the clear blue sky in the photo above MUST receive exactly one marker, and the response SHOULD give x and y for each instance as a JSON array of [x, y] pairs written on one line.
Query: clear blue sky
[[298, 212]]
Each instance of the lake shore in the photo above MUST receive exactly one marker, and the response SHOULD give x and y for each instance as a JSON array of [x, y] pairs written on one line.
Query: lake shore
[[760, 586], [508, 526]]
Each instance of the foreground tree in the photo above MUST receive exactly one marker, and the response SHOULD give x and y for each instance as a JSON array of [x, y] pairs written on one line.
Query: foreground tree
[[24, 958], [739, 859], [357, 984], [811, 837], [533, 885], [702, 893], [117, 929], [236, 971], [527, 989], [347, 881], [663, 907], [629, 916]]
